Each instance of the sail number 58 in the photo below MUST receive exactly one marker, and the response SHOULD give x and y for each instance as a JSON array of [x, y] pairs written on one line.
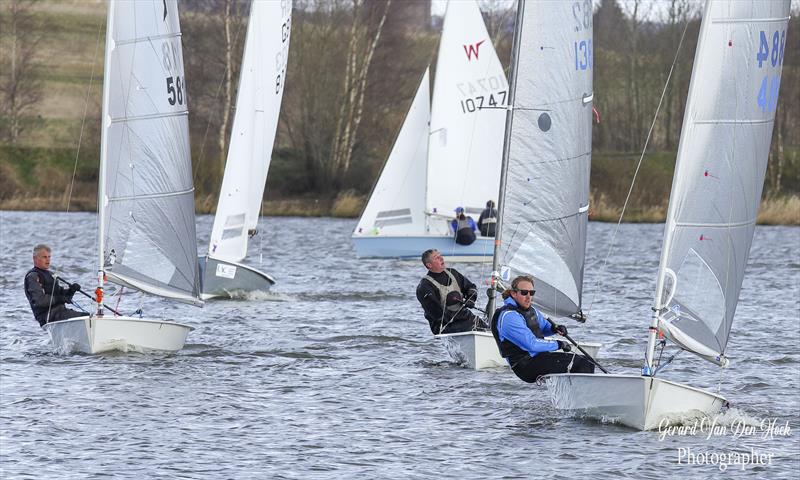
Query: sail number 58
[[175, 87]]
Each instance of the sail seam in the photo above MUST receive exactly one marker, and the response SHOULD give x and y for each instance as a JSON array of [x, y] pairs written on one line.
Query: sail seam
[[735, 122], [150, 117], [147, 39], [752, 20], [717, 225], [151, 195]]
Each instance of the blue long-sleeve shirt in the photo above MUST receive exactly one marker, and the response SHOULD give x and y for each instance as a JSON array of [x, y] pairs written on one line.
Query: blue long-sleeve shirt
[[511, 326]]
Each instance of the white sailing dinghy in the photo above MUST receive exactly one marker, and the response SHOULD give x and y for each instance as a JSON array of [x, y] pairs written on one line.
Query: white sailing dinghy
[[146, 221], [716, 191], [544, 187], [453, 162], [258, 103]]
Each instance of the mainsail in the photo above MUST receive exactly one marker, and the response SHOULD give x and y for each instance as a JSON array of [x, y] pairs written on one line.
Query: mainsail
[[258, 103], [145, 195], [469, 98], [719, 173], [397, 203], [544, 205]]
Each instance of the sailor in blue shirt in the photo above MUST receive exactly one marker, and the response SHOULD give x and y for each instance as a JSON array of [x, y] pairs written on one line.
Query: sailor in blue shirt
[[520, 330]]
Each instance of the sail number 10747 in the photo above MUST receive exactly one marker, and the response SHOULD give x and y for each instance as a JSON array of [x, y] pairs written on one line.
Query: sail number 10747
[[771, 54]]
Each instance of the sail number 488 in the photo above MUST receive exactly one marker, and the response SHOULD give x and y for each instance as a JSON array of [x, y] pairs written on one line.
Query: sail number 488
[[175, 87], [767, 99]]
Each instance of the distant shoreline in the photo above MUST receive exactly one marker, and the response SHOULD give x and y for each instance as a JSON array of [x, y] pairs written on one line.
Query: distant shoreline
[[773, 211]]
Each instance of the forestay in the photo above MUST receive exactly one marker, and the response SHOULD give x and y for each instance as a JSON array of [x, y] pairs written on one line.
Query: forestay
[[146, 196], [719, 174], [467, 117], [397, 203], [258, 104], [545, 203]]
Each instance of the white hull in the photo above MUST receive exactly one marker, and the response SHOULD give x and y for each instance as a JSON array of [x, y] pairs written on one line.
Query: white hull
[[412, 246], [104, 334], [478, 350], [634, 401]]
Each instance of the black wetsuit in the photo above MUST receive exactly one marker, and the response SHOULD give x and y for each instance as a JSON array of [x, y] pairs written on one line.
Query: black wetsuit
[[487, 222], [47, 298], [440, 318]]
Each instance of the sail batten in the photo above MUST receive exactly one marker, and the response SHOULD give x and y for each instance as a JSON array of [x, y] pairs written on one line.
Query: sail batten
[[719, 172], [147, 225], [544, 205]]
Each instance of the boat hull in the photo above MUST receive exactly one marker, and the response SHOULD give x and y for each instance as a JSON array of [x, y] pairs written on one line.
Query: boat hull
[[109, 333], [639, 402], [412, 246], [221, 278], [478, 350]]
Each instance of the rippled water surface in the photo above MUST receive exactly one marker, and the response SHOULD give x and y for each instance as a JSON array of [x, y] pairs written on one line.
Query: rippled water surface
[[334, 373]]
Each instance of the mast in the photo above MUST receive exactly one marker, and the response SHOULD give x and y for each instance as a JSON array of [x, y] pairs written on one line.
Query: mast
[[512, 86], [101, 181], [669, 225]]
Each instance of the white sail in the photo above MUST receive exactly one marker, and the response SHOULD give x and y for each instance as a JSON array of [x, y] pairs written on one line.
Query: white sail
[[719, 173], [467, 117], [546, 197], [258, 104], [146, 196], [397, 203]]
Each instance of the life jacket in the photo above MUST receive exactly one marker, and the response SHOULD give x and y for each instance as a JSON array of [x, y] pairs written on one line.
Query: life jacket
[[488, 222], [509, 350], [444, 290], [464, 233]]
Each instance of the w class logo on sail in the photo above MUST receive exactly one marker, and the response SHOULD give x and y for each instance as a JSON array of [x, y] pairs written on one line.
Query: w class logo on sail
[[471, 50]]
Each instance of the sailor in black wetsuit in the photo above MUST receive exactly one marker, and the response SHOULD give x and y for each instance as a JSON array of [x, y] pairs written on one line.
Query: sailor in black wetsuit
[[446, 296], [46, 297]]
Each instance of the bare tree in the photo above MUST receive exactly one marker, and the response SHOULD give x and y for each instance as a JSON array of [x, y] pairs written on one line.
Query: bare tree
[[19, 86], [359, 58]]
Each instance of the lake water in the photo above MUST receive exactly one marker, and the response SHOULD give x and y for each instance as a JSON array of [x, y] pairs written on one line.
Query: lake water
[[334, 374]]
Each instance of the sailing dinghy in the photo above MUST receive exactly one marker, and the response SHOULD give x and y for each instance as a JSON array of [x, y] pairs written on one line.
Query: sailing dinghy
[[716, 191], [544, 187], [146, 234], [258, 103], [446, 155]]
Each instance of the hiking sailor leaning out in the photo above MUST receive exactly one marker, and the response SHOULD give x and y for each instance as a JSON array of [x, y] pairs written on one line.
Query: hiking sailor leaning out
[[46, 296], [446, 296], [519, 330]]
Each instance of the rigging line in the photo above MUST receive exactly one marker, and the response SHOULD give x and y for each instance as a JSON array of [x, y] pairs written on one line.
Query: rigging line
[[638, 166], [83, 120]]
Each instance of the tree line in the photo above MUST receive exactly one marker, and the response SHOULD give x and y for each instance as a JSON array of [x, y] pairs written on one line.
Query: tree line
[[352, 71]]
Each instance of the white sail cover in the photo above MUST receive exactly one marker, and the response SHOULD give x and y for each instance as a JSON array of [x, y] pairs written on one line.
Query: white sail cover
[[719, 173], [146, 196], [467, 117], [258, 104], [397, 204], [545, 204]]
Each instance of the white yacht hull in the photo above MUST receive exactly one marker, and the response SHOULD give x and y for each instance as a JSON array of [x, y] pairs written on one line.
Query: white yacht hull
[[639, 402], [104, 334], [478, 350], [409, 247]]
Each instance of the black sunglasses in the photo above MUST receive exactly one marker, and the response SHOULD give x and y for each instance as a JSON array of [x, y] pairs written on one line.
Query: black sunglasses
[[525, 292]]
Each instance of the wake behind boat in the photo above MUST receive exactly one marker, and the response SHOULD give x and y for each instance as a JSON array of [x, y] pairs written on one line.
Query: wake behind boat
[[716, 192], [146, 234]]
